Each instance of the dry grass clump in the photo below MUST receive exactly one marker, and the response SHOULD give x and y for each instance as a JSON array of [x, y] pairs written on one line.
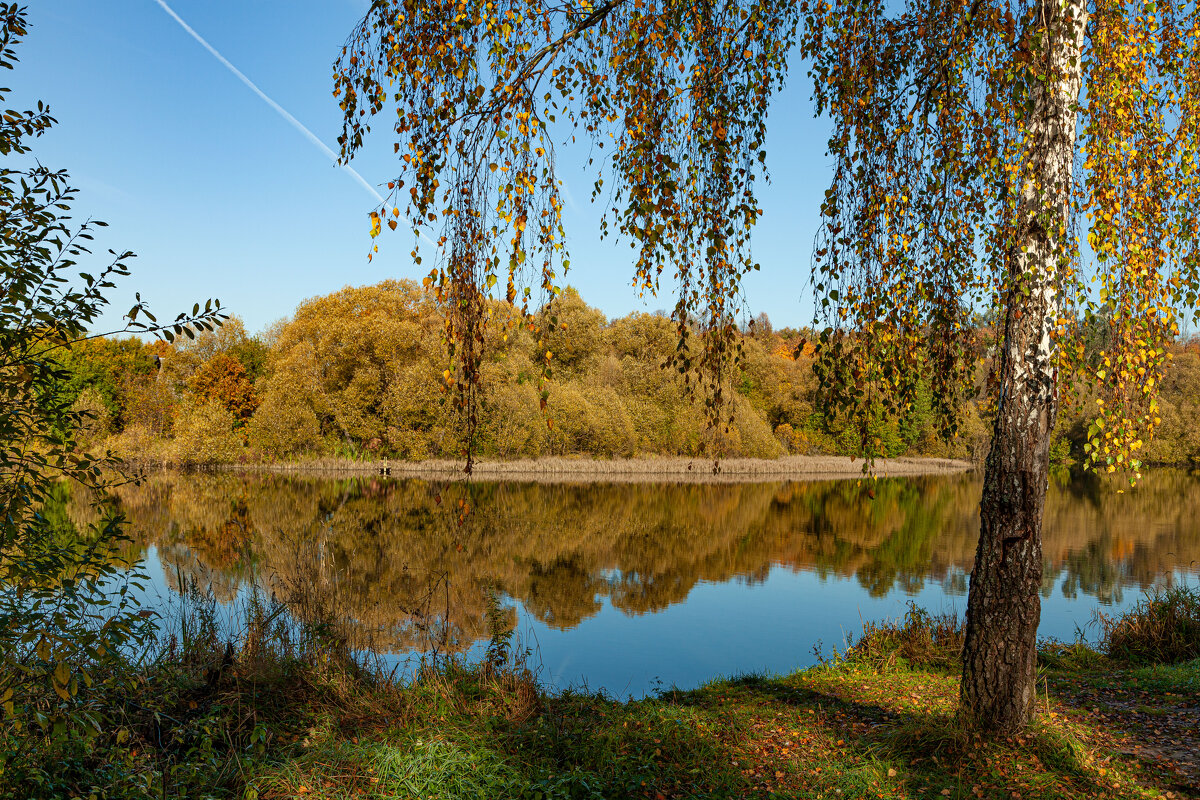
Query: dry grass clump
[[1163, 628], [482, 691], [920, 640]]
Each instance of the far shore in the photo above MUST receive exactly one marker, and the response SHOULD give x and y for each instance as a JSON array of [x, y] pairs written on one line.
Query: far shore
[[623, 470]]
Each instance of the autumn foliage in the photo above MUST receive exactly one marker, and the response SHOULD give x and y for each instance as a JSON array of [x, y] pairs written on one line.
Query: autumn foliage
[[360, 373], [223, 379]]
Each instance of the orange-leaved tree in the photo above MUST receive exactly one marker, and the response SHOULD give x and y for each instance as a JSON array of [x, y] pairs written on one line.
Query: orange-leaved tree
[[967, 158], [223, 378]]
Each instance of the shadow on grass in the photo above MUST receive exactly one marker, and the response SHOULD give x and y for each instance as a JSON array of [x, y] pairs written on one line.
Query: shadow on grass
[[573, 745], [1149, 713], [473, 734], [859, 748]]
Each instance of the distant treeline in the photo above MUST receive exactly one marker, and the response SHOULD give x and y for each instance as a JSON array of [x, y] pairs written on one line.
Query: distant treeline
[[361, 374]]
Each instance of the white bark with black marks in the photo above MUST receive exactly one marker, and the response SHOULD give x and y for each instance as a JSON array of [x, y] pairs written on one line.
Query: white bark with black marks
[[1004, 605]]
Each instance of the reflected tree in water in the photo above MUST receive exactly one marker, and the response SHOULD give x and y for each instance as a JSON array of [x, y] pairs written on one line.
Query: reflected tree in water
[[393, 558]]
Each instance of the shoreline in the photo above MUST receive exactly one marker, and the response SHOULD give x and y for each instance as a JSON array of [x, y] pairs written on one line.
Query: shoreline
[[631, 470]]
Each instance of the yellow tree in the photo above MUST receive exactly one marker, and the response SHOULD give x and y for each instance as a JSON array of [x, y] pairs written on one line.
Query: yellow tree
[[967, 156]]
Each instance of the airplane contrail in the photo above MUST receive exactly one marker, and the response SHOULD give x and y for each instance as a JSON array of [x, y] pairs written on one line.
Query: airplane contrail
[[283, 112]]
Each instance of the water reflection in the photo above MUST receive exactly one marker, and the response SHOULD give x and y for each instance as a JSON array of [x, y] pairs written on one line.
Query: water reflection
[[621, 583], [402, 567]]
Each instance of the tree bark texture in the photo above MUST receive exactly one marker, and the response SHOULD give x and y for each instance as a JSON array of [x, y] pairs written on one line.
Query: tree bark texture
[[1004, 606]]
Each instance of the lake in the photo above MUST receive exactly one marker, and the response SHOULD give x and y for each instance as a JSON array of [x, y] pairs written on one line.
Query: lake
[[635, 586]]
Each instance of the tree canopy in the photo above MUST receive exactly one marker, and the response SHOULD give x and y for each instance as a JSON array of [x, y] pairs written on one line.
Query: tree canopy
[[936, 133]]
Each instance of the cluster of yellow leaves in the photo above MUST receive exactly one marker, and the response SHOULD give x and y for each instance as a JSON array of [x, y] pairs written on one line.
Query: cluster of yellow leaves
[[1142, 201]]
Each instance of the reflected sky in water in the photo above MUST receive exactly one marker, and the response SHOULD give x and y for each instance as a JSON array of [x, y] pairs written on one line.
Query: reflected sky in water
[[627, 587]]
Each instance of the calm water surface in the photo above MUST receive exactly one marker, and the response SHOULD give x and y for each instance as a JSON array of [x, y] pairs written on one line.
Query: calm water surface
[[627, 587]]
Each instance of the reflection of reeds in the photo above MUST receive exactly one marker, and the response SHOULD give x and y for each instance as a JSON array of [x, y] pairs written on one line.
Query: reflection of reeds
[[316, 588], [304, 623]]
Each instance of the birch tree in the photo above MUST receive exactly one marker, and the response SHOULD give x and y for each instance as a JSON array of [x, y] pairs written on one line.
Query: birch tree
[[975, 144], [672, 97]]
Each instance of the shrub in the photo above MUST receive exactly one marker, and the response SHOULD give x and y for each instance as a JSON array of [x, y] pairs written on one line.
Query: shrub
[[151, 405], [591, 420], [755, 439], [281, 429], [95, 419], [140, 444], [513, 426], [204, 435], [786, 436]]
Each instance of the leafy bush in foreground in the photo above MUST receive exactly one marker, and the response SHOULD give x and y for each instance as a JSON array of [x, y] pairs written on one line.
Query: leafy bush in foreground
[[67, 616]]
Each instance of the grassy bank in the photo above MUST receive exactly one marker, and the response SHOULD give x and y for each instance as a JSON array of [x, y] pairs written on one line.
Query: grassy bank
[[284, 713], [622, 470]]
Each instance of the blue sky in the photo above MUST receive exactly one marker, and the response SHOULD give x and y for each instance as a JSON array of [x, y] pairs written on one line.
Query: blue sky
[[220, 196]]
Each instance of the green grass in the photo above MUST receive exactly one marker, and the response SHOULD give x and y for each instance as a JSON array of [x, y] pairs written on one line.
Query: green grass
[[843, 731], [1174, 678]]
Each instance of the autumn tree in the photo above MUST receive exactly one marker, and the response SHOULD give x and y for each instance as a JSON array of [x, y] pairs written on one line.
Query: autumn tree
[[575, 338], [104, 365], [974, 146], [346, 364], [968, 163], [223, 379], [232, 339], [673, 96]]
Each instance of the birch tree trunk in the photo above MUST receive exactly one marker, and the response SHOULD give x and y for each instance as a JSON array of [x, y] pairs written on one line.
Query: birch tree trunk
[[1004, 606]]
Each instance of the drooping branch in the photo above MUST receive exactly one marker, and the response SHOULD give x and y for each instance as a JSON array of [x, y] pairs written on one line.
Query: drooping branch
[[931, 109], [672, 94]]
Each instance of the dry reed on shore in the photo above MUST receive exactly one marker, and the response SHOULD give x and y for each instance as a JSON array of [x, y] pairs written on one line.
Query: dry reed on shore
[[633, 470]]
